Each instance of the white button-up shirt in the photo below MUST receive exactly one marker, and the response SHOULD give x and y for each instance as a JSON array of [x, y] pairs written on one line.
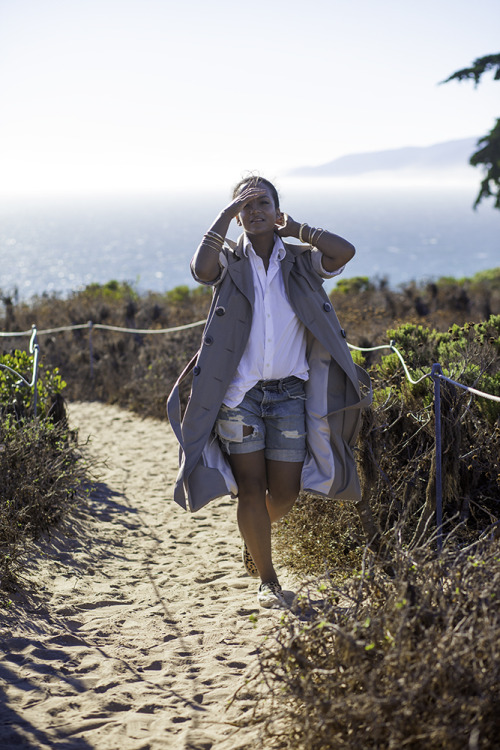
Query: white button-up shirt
[[276, 347]]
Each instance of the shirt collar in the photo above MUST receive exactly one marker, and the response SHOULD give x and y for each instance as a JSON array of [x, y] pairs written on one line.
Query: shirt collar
[[278, 248]]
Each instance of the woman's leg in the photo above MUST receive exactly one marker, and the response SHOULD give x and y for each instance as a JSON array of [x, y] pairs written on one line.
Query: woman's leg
[[257, 508], [250, 472], [283, 480]]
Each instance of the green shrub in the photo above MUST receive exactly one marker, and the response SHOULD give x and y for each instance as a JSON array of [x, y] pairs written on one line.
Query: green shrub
[[113, 290], [41, 477], [396, 452], [489, 278], [354, 285], [15, 394], [41, 471]]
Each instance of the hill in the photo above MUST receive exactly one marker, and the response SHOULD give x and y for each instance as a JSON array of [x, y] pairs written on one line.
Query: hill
[[450, 156]]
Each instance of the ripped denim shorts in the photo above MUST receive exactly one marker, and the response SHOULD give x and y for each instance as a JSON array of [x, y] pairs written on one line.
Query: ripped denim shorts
[[275, 410]]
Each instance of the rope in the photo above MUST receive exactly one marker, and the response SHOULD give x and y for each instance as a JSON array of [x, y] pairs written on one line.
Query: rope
[[8, 335], [148, 330], [398, 353], [90, 324], [14, 372], [469, 388]]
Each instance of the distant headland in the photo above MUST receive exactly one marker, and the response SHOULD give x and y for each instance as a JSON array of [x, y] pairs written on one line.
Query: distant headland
[[449, 156]]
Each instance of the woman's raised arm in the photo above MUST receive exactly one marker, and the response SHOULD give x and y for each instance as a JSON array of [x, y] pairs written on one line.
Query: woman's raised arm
[[205, 262], [335, 249]]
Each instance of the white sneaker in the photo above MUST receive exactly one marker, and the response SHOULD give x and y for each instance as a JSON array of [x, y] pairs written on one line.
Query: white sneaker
[[270, 596]]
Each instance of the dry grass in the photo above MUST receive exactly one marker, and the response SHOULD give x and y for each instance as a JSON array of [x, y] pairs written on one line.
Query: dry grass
[[408, 660], [135, 371]]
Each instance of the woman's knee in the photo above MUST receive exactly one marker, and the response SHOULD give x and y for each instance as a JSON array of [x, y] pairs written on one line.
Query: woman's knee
[[284, 483], [283, 499], [249, 470], [251, 489]]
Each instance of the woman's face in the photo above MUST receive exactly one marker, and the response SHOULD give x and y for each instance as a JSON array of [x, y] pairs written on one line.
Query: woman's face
[[260, 215]]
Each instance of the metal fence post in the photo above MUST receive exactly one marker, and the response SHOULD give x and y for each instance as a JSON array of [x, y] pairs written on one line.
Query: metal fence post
[[91, 351], [435, 373], [35, 351]]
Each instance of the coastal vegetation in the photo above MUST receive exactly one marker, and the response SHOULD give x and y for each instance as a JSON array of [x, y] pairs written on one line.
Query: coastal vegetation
[[392, 643], [137, 370], [42, 472], [396, 642]]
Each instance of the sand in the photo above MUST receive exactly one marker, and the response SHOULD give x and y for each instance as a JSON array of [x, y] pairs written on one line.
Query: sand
[[133, 629]]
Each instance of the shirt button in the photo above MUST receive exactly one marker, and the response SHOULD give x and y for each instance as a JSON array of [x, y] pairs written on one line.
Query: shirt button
[[327, 307], [220, 311], [196, 370]]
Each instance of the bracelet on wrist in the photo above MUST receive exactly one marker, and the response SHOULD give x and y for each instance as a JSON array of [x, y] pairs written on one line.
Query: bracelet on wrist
[[314, 236], [215, 235], [301, 239], [212, 242]]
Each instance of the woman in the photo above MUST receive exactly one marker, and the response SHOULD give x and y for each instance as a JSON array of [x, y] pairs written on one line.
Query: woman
[[275, 402]]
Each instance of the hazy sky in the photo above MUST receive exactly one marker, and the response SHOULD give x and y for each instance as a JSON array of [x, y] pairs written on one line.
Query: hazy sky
[[146, 94]]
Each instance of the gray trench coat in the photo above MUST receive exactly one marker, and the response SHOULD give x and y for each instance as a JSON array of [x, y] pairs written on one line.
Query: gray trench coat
[[334, 400]]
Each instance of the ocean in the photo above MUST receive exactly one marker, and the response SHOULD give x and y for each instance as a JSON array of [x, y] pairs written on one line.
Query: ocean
[[59, 246]]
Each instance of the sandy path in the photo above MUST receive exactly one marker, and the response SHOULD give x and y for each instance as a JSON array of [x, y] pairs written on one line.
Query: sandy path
[[137, 633]]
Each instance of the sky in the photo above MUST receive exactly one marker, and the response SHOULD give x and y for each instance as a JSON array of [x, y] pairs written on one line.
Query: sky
[[149, 95]]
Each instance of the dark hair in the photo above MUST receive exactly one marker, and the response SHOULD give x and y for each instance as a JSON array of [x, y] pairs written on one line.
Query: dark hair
[[255, 181]]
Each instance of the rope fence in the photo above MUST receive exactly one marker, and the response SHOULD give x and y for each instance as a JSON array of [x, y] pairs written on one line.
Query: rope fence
[[435, 374], [34, 347]]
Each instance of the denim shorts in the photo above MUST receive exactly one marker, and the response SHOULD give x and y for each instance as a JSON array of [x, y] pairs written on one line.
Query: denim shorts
[[275, 411]]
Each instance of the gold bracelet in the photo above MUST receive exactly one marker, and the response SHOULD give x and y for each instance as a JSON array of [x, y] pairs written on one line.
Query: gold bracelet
[[300, 232], [216, 236], [314, 238], [212, 244]]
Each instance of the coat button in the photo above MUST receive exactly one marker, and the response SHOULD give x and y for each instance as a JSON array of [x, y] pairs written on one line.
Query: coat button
[[196, 370], [327, 307], [220, 311], [342, 331], [209, 340]]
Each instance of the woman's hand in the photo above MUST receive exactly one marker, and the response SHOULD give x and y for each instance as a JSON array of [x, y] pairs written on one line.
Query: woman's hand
[[336, 250], [246, 196], [287, 227], [205, 261]]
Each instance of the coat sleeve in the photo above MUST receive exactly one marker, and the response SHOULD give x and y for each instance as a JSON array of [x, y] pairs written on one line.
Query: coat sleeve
[[317, 264]]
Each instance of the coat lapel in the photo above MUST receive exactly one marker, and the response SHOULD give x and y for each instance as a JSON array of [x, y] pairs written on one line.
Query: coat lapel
[[240, 270]]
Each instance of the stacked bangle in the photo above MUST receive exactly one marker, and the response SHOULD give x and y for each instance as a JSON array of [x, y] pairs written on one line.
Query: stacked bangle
[[314, 237], [216, 236], [213, 240], [301, 239]]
